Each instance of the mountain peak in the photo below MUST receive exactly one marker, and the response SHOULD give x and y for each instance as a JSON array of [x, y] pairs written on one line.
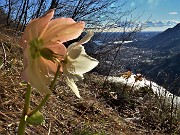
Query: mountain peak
[[169, 40], [177, 26], [174, 29], [168, 35]]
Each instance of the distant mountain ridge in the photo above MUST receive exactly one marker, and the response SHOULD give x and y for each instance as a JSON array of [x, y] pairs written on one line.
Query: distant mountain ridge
[[169, 40], [157, 58], [166, 57]]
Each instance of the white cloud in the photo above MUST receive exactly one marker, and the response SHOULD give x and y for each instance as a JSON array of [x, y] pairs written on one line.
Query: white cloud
[[161, 23], [173, 13]]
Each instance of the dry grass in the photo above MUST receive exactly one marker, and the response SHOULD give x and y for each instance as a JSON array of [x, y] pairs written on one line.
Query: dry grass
[[108, 110], [142, 110], [64, 113]]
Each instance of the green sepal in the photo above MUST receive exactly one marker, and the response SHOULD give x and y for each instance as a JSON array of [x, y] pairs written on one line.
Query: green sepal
[[35, 119], [47, 54]]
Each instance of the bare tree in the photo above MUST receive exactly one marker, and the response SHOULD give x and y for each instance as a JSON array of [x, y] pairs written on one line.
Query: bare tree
[[19, 11], [23, 10], [54, 4], [98, 14], [9, 3], [25, 15], [39, 8]]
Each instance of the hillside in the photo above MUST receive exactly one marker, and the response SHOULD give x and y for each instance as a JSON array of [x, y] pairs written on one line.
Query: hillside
[[158, 58], [167, 45], [106, 108], [64, 113], [169, 40]]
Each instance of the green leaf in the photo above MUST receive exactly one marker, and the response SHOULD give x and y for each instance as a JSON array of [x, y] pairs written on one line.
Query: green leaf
[[35, 119]]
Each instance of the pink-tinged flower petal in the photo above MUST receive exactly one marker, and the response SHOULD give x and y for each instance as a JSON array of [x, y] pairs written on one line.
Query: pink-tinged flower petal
[[23, 42], [36, 71], [42, 43], [26, 55], [36, 74], [69, 32], [51, 66], [56, 48], [55, 26], [59, 49], [37, 26]]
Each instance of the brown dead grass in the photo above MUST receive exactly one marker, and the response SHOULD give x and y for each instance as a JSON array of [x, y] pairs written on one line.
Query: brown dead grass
[[64, 113], [101, 111]]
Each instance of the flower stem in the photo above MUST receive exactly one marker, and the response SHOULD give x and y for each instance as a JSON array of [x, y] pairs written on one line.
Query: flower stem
[[22, 124], [40, 105], [46, 98]]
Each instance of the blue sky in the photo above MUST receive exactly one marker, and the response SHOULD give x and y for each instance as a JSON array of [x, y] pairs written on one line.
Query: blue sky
[[157, 9]]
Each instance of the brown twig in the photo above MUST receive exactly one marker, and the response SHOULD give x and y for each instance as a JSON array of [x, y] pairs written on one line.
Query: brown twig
[[4, 52]]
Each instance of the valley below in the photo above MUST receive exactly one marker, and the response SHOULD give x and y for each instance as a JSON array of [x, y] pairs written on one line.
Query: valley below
[[156, 57]]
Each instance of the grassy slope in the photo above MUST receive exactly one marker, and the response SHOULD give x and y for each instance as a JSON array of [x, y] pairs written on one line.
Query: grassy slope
[[102, 111], [64, 113]]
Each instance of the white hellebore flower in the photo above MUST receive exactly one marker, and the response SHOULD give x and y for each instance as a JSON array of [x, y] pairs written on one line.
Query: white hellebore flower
[[77, 62]]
